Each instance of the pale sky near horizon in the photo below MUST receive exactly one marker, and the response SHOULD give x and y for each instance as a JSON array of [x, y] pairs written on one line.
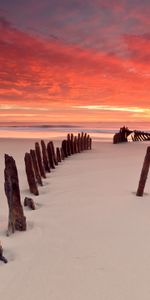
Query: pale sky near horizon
[[74, 61]]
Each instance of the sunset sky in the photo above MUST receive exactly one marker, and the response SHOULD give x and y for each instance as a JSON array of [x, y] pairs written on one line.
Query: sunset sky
[[74, 60]]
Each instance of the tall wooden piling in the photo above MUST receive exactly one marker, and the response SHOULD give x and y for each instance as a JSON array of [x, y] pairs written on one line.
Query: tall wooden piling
[[45, 157], [50, 155], [79, 142], [39, 159], [17, 220], [72, 144], [58, 154], [36, 167], [144, 173], [65, 148], [62, 153], [69, 144], [53, 153], [30, 174]]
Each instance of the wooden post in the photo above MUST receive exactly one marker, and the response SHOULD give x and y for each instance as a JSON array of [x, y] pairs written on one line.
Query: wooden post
[[45, 157], [2, 258], [39, 159], [144, 173], [62, 153], [76, 150], [29, 203], [36, 167], [69, 144], [64, 147], [90, 146], [50, 155], [58, 154], [79, 142], [30, 174], [17, 220], [53, 152], [72, 144]]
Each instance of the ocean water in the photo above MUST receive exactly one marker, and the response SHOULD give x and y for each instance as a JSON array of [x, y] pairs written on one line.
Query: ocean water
[[100, 132]]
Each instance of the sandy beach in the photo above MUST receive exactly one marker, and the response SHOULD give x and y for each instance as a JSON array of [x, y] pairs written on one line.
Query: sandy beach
[[89, 237]]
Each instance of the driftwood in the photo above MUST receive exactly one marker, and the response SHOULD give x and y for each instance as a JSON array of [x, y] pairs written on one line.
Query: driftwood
[[29, 203], [144, 173], [45, 157], [39, 159], [30, 174], [17, 220], [58, 154], [50, 155], [36, 167], [2, 258]]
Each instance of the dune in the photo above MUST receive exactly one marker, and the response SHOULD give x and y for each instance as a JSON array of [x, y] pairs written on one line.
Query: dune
[[89, 237]]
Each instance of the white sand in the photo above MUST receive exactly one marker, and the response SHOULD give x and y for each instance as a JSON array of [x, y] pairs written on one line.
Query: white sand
[[90, 236]]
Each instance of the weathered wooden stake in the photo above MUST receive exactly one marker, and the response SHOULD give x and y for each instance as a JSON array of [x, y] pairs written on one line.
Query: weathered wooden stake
[[17, 220], [30, 174], [79, 142], [50, 155], [29, 203], [45, 157], [65, 148], [39, 159], [144, 173], [2, 258], [58, 154], [72, 144], [36, 167], [69, 144], [53, 152], [62, 153]]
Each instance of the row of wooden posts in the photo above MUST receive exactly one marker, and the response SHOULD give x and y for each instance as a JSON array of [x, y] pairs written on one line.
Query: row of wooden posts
[[38, 162]]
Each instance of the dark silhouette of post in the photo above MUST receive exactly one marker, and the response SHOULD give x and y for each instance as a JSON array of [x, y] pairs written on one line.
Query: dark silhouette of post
[[62, 153], [72, 144], [45, 157], [29, 203], [53, 152], [144, 173], [39, 159], [36, 167], [65, 148], [58, 154], [17, 220], [75, 144], [2, 258], [79, 142], [50, 155], [30, 174], [69, 144]]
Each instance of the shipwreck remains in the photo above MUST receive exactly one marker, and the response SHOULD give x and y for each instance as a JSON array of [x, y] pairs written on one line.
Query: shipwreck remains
[[136, 135]]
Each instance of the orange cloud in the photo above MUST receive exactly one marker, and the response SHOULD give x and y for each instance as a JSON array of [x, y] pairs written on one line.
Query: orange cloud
[[56, 75]]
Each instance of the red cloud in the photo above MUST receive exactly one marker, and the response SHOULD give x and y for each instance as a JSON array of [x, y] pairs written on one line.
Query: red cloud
[[58, 74]]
